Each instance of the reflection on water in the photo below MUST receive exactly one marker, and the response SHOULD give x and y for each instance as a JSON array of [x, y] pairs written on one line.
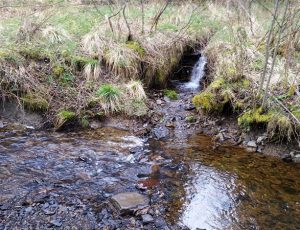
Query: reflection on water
[[210, 199], [229, 188]]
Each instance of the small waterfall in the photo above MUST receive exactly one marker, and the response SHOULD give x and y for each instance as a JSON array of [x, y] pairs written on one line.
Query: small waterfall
[[197, 74]]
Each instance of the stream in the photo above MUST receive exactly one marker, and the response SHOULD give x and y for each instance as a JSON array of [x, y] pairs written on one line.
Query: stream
[[57, 180]]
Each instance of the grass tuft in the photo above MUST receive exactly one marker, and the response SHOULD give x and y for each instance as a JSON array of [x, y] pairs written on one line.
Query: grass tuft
[[110, 98]]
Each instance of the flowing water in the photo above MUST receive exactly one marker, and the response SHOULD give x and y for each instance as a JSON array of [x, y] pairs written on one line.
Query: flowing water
[[197, 74], [63, 180]]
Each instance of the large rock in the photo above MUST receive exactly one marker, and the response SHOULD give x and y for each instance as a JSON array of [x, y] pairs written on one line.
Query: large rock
[[129, 202]]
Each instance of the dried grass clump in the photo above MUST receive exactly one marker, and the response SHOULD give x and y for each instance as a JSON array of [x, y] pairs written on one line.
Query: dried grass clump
[[135, 90], [280, 126], [55, 34]]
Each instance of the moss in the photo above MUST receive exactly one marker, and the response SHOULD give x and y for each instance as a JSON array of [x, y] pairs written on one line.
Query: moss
[[136, 46], [171, 94], [246, 83], [292, 90], [255, 116], [190, 119], [35, 53], [217, 84], [207, 101], [58, 70], [81, 61], [34, 102]]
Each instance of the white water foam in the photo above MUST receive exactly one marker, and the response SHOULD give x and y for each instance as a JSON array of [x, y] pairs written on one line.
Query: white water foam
[[197, 74]]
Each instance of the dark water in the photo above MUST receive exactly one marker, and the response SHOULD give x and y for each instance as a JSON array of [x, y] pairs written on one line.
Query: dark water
[[229, 188], [63, 179]]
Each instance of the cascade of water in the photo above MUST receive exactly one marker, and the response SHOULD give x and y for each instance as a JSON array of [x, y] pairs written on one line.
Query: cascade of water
[[197, 74]]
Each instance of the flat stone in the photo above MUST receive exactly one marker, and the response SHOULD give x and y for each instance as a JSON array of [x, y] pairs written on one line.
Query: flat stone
[[129, 202], [189, 107], [252, 144], [147, 219]]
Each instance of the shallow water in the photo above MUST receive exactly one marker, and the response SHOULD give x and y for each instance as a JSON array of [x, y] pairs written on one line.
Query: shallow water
[[63, 179], [229, 188]]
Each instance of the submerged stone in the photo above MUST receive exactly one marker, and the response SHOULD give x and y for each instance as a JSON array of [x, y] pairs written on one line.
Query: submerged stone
[[129, 202], [160, 132]]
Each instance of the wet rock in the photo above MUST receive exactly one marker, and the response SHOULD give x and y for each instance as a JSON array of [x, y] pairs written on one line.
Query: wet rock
[[129, 202], [251, 144], [287, 158], [160, 132], [95, 124], [147, 218], [296, 158], [189, 107], [56, 223], [259, 149], [170, 124], [261, 139], [220, 137]]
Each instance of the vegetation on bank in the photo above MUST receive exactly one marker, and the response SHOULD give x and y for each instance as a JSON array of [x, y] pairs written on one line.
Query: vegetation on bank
[[254, 66], [93, 59], [73, 61]]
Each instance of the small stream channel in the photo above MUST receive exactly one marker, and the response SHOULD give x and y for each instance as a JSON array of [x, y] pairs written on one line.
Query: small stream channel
[[63, 180]]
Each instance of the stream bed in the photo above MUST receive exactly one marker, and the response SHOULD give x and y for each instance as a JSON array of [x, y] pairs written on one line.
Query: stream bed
[[63, 180]]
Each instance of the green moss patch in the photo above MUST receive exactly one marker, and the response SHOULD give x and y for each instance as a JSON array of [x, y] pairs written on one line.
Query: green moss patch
[[171, 94], [35, 102]]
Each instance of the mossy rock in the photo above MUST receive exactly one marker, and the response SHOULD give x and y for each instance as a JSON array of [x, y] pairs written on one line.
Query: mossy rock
[[34, 53], [255, 116], [35, 102], [207, 101]]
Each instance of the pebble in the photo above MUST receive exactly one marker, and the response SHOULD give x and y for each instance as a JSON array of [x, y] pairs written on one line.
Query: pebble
[[159, 102], [147, 218], [129, 202]]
